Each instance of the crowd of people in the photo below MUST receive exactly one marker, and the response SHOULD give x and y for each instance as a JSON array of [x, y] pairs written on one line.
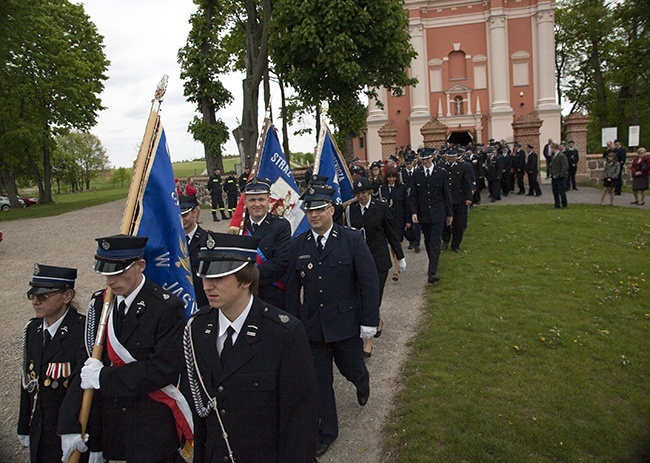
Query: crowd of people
[[249, 377]]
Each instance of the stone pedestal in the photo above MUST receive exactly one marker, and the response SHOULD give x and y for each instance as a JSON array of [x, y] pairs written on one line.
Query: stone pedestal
[[575, 127], [434, 133], [526, 130], [387, 135]]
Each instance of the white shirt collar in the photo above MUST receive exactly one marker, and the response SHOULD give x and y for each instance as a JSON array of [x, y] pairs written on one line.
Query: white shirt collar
[[190, 235], [367, 205], [131, 297], [54, 327], [237, 325], [262, 220], [326, 235]]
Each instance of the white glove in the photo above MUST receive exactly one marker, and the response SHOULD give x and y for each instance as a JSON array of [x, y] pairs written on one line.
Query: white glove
[[90, 374], [24, 440], [402, 264], [70, 443], [368, 332], [96, 457]]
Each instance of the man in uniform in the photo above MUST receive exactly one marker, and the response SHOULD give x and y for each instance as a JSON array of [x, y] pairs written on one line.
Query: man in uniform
[[407, 179], [430, 201], [136, 378], [477, 160], [507, 177], [621, 156], [519, 165], [333, 288], [250, 374], [215, 188], [460, 185], [494, 169], [274, 233], [51, 345], [559, 169], [573, 157], [548, 154], [243, 178], [532, 169], [195, 236], [232, 190]]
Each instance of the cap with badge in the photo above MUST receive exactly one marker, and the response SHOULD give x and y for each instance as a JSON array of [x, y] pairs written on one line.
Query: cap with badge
[[356, 159], [530, 147], [393, 158], [257, 186], [318, 193], [225, 254], [117, 253], [48, 279], [187, 203], [361, 184], [427, 153]]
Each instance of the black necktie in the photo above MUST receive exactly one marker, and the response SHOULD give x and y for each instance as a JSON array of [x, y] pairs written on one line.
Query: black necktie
[[47, 339], [227, 345], [363, 210], [187, 238], [320, 244], [254, 226], [121, 314], [428, 173]]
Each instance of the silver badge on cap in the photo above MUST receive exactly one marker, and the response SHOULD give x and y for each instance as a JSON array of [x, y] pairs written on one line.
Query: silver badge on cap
[[210, 242], [106, 245], [37, 269]]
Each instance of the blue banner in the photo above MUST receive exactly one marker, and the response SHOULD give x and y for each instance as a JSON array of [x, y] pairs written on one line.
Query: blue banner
[[332, 165], [285, 195], [168, 263]]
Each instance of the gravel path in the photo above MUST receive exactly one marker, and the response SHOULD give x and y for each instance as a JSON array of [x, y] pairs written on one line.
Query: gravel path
[[68, 240]]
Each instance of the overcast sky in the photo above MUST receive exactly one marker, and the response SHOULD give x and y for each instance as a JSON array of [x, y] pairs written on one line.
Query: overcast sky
[[142, 38]]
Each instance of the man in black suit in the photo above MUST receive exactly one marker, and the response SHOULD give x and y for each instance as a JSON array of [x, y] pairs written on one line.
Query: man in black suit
[[275, 236], [253, 360], [621, 157], [494, 171], [460, 185], [195, 236], [548, 154], [519, 165], [136, 378], [559, 169], [573, 157], [333, 288], [407, 179], [532, 169], [430, 201], [51, 345]]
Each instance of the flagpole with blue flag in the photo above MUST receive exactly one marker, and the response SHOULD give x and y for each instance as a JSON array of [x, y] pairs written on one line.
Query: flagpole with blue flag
[[329, 163]]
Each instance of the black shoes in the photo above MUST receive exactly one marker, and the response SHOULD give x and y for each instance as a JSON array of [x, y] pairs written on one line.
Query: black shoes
[[433, 278], [416, 249], [444, 245], [321, 449], [362, 397], [456, 250]]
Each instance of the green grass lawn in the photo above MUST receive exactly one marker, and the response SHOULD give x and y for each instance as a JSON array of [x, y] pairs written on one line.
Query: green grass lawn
[[535, 345]]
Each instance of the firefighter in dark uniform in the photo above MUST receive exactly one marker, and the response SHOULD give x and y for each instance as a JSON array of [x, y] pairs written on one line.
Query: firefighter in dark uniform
[[506, 177], [460, 185], [135, 381], [573, 157], [275, 236], [407, 179], [477, 160], [249, 371], [195, 236], [430, 203], [215, 188], [231, 188], [51, 344], [494, 169], [333, 288], [532, 169], [243, 178], [519, 165]]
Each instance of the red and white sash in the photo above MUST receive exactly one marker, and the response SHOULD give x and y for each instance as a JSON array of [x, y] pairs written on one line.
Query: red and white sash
[[169, 395]]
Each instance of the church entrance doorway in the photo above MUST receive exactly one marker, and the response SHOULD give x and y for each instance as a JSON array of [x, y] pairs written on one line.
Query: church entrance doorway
[[460, 138]]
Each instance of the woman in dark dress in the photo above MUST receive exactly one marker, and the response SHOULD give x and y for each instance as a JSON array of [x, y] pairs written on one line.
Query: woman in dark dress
[[394, 193]]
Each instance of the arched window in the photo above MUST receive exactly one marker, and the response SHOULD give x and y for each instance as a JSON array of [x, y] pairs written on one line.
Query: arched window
[[457, 66]]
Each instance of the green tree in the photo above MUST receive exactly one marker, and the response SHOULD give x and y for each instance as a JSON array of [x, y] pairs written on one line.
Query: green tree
[[120, 175], [87, 153], [53, 74], [337, 51]]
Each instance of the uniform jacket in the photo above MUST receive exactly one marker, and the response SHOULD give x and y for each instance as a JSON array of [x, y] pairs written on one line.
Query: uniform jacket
[[266, 393], [519, 160], [134, 426], [531, 163], [559, 167], [397, 200], [460, 182], [572, 156], [215, 185], [341, 286], [198, 241], [430, 198], [230, 185], [45, 401], [275, 234], [494, 168], [376, 225]]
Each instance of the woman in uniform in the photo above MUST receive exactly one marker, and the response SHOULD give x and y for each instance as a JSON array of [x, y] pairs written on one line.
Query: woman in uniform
[[51, 344]]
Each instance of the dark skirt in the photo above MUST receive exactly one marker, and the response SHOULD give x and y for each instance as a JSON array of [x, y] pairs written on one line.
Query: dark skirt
[[640, 183]]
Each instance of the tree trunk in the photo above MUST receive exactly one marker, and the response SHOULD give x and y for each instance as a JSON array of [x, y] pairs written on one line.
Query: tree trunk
[[213, 156], [37, 175], [599, 85], [348, 149], [285, 125], [9, 183], [47, 172]]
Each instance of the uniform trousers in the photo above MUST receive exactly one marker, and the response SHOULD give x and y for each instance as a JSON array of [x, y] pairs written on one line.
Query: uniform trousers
[[559, 191], [416, 232], [571, 179], [495, 188], [217, 203], [455, 232], [432, 235], [520, 181], [533, 185], [383, 276], [348, 356]]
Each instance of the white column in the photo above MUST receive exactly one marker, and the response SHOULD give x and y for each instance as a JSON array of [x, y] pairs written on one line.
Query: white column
[[498, 61], [545, 56], [448, 105], [377, 117], [469, 104], [420, 113]]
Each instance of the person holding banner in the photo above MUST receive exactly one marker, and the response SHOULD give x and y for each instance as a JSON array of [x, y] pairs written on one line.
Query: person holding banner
[[249, 371], [142, 412], [275, 237], [333, 288], [51, 344]]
